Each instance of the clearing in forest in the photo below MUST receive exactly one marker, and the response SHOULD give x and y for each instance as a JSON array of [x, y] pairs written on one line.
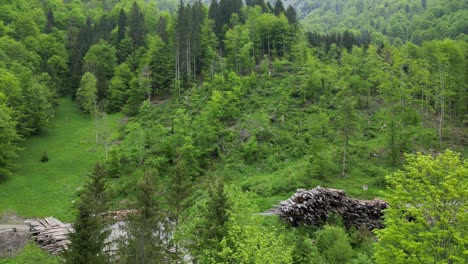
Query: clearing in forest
[[42, 189]]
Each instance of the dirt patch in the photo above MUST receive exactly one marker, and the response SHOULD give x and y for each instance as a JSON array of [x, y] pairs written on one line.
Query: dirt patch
[[14, 234], [13, 239], [11, 218]]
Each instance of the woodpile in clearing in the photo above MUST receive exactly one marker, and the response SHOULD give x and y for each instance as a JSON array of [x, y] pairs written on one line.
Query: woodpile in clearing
[[315, 206], [50, 234]]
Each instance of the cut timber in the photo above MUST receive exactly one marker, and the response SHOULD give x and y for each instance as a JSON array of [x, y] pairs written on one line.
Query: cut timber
[[50, 234], [315, 206]]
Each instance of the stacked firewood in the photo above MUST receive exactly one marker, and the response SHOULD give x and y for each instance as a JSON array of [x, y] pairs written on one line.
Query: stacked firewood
[[315, 206], [50, 234]]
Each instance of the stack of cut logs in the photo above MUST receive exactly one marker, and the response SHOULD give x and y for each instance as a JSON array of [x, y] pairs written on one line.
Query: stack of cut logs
[[314, 207], [50, 234]]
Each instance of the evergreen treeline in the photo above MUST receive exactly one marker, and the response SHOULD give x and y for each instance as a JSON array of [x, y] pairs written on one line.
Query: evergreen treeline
[[228, 104]]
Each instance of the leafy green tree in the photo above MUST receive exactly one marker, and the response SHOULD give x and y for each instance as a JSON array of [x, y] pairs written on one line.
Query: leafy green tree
[[59, 72], [136, 95], [247, 240], [86, 95], [25, 26], [427, 212], [334, 245], [119, 87], [38, 107], [87, 241], [8, 139], [101, 60], [305, 251]]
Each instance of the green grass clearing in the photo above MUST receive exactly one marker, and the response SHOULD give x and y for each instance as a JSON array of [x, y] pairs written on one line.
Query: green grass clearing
[[48, 188]]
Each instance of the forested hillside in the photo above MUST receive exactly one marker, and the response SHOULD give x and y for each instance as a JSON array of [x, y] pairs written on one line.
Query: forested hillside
[[231, 107], [399, 21]]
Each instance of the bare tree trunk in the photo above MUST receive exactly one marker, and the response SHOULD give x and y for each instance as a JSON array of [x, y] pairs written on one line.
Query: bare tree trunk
[[345, 150], [442, 106]]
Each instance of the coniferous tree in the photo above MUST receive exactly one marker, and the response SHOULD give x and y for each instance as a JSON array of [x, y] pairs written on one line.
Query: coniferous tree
[[136, 26], [216, 217], [347, 122], [147, 238], [279, 8], [161, 29], [213, 14], [102, 29], [291, 15], [269, 7], [122, 26], [87, 241], [81, 44], [50, 21]]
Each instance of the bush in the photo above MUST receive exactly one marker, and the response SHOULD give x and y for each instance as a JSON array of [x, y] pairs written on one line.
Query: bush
[[44, 157], [334, 245]]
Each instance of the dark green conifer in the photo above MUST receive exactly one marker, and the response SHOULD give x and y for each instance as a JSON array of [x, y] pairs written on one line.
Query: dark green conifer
[[147, 239], [50, 21], [279, 8], [87, 242], [136, 26], [122, 26]]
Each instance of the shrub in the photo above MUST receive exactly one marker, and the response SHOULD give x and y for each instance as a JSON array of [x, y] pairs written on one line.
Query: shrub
[[44, 157], [334, 245]]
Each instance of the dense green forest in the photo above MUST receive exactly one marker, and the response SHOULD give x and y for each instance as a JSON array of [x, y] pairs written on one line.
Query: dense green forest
[[230, 107]]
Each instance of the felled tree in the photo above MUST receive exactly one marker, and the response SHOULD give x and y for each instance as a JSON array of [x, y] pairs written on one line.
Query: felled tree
[[428, 214]]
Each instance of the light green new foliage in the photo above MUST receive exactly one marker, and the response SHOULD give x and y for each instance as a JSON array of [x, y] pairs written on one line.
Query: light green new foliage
[[247, 240], [428, 215], [31, 254], [87, 93]]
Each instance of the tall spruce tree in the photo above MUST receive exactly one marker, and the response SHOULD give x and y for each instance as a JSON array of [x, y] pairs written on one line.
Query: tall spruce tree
[[122, 26], [50, 21], [279, 8], [136, 26], [147, 239], [87, 242]]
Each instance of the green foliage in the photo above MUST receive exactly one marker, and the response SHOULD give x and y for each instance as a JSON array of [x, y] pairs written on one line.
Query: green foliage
[[70, 145], [334, 245], [101, 60], [427, 212], [247, 240], [8, 140], [147, 239], [87, 93], [31, 254], [87, 240]]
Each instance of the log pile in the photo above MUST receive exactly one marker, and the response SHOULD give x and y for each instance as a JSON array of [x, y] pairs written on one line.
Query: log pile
[[315, 206], [50, 234]]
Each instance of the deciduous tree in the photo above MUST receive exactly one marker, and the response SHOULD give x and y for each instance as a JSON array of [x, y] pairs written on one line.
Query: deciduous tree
[[428, 212]]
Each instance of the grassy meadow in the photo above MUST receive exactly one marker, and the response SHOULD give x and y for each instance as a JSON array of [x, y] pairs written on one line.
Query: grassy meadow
[[48, 188]]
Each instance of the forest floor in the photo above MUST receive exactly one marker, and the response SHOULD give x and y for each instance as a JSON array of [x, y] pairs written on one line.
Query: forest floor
[[40, 189]]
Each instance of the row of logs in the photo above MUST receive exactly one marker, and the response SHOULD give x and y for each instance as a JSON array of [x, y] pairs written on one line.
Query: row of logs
[[50, 234], [316, 206]]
